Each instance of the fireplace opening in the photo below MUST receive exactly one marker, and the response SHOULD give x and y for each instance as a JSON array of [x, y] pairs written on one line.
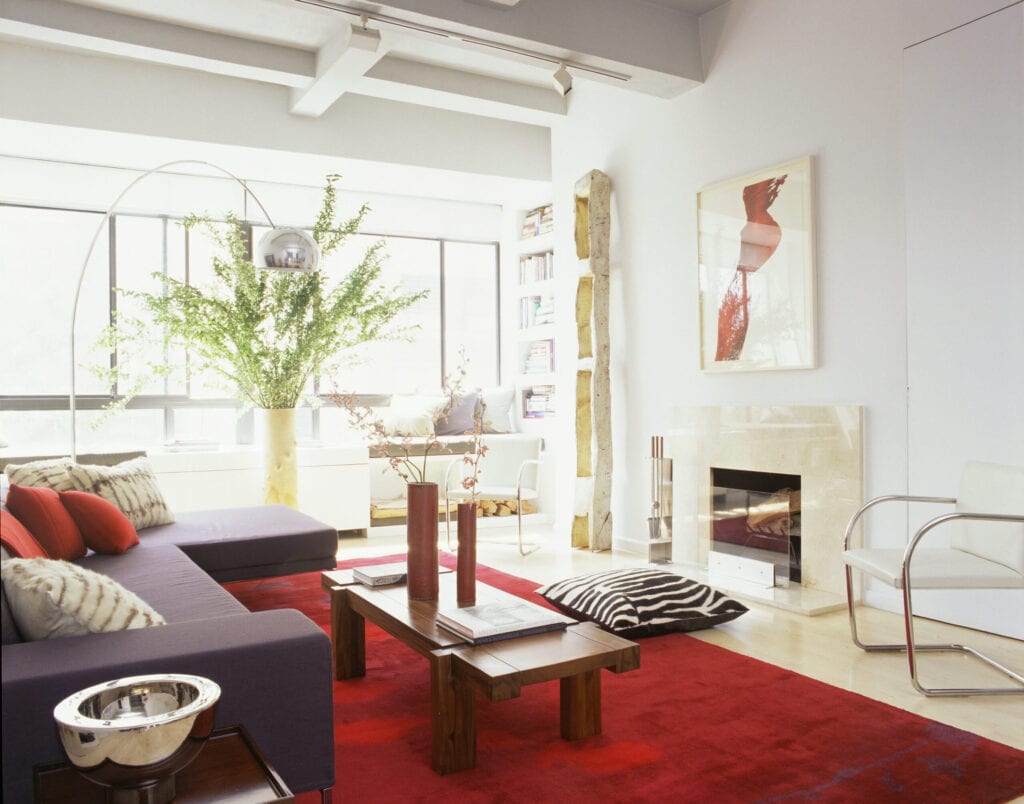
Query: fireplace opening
[[756, 518]]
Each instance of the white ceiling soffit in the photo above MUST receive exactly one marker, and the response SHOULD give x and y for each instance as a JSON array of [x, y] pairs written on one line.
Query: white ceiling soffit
[[473, 57]]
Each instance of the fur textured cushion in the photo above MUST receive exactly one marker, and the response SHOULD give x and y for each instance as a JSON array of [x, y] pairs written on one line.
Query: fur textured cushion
[[52, 473], [131, 486], [642, 602], [50, 598]]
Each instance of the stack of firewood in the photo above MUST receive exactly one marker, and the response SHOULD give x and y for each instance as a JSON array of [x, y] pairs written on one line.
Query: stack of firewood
[[503, 507]]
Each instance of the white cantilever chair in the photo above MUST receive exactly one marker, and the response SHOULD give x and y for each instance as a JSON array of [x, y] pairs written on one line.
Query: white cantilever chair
[[509, 471], [986, 551]]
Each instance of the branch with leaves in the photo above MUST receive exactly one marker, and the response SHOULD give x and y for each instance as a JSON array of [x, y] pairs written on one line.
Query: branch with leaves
[[265, 333]]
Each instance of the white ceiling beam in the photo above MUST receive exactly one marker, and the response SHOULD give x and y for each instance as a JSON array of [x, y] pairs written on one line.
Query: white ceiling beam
[[456, 90], [655, 47], [339, 64], [69, 25]]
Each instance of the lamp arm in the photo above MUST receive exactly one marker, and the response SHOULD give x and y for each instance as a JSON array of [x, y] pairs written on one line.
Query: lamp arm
[[92, 245]]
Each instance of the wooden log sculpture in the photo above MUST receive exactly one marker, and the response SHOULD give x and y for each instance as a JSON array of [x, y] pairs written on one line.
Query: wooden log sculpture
[[592, 520]]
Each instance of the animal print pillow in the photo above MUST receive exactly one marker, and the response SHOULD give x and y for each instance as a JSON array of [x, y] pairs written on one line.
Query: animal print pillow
[[52, 473], [131, 486], [642, 602], [50, 598]]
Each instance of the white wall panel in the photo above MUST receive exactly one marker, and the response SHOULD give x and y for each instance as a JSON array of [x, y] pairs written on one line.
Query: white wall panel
[[964, 167]]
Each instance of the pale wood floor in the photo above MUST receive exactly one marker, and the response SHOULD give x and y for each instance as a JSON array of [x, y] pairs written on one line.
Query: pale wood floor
[[818, 647]]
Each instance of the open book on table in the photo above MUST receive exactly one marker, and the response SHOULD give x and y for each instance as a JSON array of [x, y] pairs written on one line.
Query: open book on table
[[488, 622]]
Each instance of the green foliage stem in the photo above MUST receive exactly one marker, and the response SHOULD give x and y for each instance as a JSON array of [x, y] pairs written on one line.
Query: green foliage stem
[[265, 332]]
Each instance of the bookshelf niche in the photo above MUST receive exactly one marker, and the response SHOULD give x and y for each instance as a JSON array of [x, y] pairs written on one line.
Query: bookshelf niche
[[537, 315]]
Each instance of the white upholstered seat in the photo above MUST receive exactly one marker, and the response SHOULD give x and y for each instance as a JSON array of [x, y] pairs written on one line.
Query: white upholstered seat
[[986, 551], [509, 473]]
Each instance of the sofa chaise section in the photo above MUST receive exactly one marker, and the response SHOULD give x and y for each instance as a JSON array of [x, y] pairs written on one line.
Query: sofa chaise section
[[236, 544]]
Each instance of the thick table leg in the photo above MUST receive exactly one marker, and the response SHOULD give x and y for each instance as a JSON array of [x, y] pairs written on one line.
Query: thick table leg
[[348, 637], [581, 705], [453, 717]]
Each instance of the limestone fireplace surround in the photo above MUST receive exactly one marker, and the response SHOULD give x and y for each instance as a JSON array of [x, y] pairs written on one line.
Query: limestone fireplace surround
[[821, 444]]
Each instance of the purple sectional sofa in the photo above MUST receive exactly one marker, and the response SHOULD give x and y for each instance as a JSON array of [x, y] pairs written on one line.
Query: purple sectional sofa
[[274, 667]]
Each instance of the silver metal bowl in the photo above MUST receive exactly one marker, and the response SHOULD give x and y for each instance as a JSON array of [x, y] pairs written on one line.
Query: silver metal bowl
[[133, 734]]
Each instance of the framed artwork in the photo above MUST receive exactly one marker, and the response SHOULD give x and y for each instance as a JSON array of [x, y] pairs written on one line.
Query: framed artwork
[[755, 245]]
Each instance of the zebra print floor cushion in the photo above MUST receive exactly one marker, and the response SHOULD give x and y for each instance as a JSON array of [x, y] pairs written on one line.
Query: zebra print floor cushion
[[642, 602]]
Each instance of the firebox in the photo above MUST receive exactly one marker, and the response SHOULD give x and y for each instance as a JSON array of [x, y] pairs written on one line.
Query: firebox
[[756, 524]]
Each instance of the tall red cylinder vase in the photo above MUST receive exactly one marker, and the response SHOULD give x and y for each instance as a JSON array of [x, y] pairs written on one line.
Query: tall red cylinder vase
[[421, 537], [465, 580]]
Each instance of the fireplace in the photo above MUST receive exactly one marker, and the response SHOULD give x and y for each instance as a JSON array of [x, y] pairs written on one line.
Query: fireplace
[[755, 516], [816, 445]]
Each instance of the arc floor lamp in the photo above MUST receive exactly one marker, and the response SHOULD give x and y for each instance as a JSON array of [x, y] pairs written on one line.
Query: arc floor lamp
[[280, 249]]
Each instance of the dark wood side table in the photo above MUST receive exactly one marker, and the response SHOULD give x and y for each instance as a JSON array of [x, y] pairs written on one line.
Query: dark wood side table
[[229, 768]]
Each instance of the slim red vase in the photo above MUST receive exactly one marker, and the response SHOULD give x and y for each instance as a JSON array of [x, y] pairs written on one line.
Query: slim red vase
[[421, 537], [465, 581]]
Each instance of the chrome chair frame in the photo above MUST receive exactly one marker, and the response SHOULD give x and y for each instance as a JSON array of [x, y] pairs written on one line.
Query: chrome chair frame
[[484, 496], [911, 646]]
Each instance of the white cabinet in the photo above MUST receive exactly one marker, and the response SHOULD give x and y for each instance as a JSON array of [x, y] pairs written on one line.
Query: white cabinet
[[334, 482]]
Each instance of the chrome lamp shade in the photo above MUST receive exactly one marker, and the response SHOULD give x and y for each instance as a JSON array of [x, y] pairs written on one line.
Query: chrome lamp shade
[[287, 250]]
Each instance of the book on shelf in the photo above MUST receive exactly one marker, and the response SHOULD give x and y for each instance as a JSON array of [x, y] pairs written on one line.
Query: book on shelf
[[538, 401], [535, 311], [489, 622], [537, 222], [380, 574], [539, 357], [536, 267]]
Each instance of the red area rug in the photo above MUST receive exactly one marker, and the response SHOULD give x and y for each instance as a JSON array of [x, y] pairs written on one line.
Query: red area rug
[[696, 722]]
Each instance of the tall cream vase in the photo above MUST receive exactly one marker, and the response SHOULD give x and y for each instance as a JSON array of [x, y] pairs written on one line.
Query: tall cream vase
[[280, 462]]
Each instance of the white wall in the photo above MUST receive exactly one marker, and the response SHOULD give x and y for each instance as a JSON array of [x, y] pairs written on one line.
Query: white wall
[[964, 146], [784, 78]]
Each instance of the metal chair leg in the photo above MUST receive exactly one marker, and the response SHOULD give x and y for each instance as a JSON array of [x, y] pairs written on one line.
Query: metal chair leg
[[936, 692], [911, 647]]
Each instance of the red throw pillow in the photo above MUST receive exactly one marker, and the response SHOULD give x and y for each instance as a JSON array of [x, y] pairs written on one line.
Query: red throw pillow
[[16, 538], [39, 510], [104, 526]]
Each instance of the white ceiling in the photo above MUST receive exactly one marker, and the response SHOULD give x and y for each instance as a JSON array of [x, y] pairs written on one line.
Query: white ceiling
[[503, 71], [311, 52]]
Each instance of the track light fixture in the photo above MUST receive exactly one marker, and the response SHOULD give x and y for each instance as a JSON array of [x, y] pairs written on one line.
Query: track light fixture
[[562, 80]]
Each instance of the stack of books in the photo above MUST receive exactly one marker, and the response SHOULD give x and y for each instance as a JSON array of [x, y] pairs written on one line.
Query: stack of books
[[538, 221], [534, 311], [489, 622], [540, 357], [536, 267], [380, 574], [538, 401]]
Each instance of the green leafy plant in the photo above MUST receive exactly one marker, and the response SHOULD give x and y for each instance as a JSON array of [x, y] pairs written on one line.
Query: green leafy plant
[[264, 333]]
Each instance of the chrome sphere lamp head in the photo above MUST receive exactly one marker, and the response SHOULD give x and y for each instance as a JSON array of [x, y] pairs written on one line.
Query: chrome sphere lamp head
[[287, 250]]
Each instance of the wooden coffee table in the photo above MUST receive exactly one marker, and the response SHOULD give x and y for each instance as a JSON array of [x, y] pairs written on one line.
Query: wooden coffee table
[[458, 670]]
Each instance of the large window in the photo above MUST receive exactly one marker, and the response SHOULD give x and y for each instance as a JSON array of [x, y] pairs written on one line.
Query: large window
[[40, 264]]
